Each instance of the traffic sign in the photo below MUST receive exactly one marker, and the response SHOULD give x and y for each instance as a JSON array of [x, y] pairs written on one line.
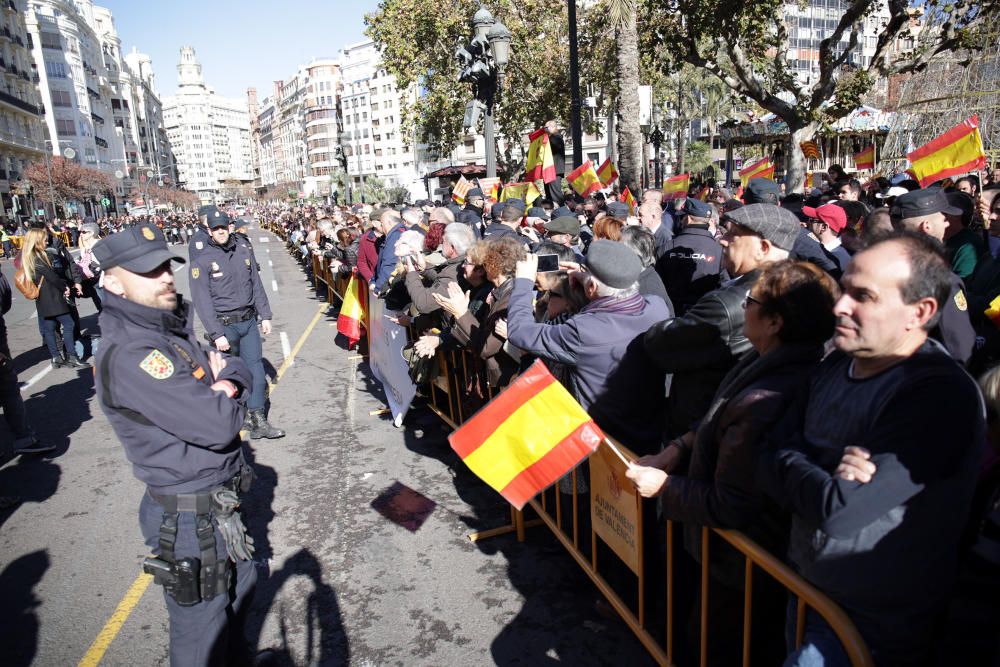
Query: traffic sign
[[106, 201]]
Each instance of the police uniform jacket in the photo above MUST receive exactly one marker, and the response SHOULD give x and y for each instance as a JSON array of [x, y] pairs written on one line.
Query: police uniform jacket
[[496, 230], [198, 241], [153, 383], [954, 330], [225, 279], [690, 268]]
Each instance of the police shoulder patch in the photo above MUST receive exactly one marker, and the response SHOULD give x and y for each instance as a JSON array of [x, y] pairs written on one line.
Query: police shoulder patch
[[157, 365], [199, 245], [248, 261], [960, 301], [195, 272]]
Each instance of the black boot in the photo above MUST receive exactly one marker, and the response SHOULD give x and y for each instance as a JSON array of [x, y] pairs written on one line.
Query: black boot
[[57, 362], [260, 428], [73, 361]]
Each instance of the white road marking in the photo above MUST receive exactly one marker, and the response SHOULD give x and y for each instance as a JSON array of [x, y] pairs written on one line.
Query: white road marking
[[38, 376], [270, 263], [264, 239], [286, 348], [274, 285]]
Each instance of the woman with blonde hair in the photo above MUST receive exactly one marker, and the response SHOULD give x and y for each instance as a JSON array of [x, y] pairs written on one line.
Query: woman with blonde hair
[[51, 274]]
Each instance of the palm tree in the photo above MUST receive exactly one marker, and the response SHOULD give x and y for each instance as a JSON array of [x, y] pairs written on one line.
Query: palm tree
[[622, 19]]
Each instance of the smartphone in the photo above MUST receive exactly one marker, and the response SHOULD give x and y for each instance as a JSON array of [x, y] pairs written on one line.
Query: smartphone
[[548, 263]]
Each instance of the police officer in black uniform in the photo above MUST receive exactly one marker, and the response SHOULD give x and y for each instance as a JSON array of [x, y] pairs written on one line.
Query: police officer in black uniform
[[229, 297], [177, 411], [691, 265], [201, 237]]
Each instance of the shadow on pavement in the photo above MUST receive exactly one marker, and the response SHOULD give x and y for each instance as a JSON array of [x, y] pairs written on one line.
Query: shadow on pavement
[[18, 622], [32, 478], [57, 412], [325, 639]]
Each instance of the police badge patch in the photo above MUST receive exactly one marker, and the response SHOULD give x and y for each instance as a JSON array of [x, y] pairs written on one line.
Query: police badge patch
[[248, 261], [195, 272], [157, 365], [960, 301], [148, 233], [199, 245]]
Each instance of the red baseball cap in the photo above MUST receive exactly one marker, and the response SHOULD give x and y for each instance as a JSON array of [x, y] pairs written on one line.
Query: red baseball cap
[[832, 215]]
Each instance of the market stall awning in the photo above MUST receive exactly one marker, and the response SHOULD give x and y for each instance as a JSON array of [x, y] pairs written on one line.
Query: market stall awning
[[467, 170]]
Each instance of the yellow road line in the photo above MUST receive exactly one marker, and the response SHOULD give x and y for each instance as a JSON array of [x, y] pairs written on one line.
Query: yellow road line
[[124, 609], [114, 624]]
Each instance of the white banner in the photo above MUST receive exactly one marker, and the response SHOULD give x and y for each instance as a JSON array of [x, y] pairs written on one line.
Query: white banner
[[386, 342]]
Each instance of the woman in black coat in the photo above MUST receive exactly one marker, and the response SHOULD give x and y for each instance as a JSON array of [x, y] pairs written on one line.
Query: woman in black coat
[[53, 275]]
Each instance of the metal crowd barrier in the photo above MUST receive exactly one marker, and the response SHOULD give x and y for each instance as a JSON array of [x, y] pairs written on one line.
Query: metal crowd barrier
[[616, 519]]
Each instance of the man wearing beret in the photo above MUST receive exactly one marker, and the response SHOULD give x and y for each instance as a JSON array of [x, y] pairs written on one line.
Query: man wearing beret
[[177, 411], [601, 345], [701, 346], [924, 211], [691, 266], [766, 191]]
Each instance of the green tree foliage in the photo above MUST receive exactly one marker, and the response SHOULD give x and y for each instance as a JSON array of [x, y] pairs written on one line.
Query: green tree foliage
[[698, 158], [745, 45]]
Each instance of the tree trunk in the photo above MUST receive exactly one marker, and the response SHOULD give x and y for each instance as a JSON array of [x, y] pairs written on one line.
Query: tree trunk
[[629, 134], [795, 160]]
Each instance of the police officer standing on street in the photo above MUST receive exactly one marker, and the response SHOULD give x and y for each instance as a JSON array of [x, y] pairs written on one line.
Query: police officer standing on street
[[200, 238], [178, 411], [229, 297]]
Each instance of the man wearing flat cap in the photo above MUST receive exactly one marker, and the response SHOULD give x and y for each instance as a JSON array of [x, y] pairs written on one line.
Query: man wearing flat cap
[[177, 411], [924, 211], [691, 265], [701, 346], [601, 345], [509, 224]]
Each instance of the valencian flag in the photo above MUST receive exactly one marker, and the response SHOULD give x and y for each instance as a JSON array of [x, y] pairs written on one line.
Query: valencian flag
[[529, 192], [607, 172], [810, 149], [762, 168], [462, 187], [527, 437], [584, 179], [352, 312], [957, 151], [676, 187], [864, 160], [490, 188], [540, 164], [629, 199]]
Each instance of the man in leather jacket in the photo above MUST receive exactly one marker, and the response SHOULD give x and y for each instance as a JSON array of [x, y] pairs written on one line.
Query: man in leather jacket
[[701, 346]]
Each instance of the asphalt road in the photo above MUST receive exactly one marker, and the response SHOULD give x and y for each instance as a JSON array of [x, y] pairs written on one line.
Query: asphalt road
[[339, 582]]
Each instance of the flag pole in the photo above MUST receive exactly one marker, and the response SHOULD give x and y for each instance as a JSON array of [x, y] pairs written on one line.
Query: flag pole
[[618, 452]]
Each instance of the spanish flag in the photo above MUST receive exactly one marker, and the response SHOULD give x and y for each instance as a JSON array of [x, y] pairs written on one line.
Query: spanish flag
[[352, 312], [992, 313], [810, 149], [957, 151], [629, 199], [540, 164], [528, 437], [865, 159], [584, 179], [676, 187], [490, 187], [762, 168], [529, 192], [607, 173], [462, 186]]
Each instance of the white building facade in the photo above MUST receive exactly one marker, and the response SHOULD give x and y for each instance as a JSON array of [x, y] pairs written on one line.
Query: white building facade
[[209, 134]]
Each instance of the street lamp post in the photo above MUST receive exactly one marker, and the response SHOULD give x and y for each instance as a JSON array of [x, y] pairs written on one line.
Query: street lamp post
[[576, 127], [656, 138], [483, 62]]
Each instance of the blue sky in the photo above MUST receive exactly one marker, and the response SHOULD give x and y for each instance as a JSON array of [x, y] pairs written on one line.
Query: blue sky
[[239, 44]]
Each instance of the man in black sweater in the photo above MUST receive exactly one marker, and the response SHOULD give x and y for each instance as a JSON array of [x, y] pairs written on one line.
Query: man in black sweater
[[878, 461]]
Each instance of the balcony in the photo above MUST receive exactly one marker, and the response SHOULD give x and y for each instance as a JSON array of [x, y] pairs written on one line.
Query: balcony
[[93, 93], [19, 103], [100, 142], [17, 38], [6, 33], [96, 118]]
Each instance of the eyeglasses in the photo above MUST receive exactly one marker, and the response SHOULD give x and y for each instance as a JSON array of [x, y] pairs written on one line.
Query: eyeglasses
[[749, 300]]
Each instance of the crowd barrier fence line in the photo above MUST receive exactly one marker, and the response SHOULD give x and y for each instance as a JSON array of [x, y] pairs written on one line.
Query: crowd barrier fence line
[[445, 400]]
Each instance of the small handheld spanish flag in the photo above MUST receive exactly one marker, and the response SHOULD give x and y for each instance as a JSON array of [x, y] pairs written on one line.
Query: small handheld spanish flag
[[584, 179], [629, 199], [527, 437], [607, 172], [352, 311], [957, 151], [865, 160], [676, 187]]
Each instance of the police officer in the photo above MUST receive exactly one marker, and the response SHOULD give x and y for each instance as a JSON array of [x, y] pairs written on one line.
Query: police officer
[[229, 297], [177, 411], [691, 265], [200, 238]]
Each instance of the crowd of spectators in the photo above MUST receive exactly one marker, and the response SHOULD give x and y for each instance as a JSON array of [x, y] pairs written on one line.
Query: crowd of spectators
[[793, 366]]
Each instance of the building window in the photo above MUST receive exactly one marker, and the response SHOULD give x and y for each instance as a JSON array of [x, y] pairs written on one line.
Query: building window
[[61, 98], [50, 40], [65, 128], [470, 145], [55, 70]]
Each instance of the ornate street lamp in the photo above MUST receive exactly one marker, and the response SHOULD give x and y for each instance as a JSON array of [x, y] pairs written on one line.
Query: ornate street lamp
[[482, 63]]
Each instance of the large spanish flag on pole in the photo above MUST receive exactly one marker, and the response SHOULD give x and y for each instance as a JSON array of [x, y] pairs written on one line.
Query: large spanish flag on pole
[[676, 187], [607, 172], [528, 437], [529, 192], [352, 312], [865, 159], [762, 168], [957, 151], [584, 179], [540, 164]]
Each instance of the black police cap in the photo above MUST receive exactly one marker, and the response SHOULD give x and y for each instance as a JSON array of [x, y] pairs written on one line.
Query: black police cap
[[138, 249]]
